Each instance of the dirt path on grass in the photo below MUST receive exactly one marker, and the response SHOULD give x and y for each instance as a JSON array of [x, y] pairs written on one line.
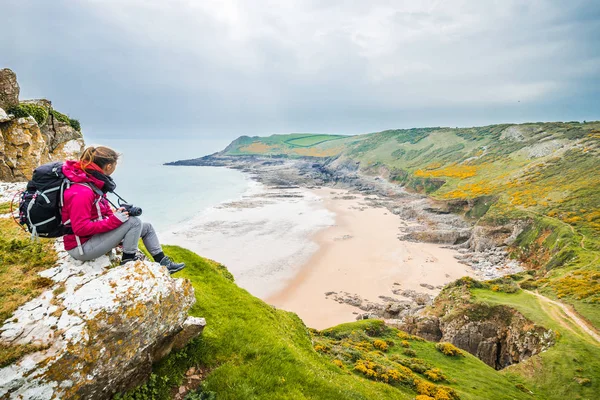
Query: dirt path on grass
[[574, 318]]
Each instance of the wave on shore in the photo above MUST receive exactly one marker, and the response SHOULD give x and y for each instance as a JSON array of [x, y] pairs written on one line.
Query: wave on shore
[[263, 238]]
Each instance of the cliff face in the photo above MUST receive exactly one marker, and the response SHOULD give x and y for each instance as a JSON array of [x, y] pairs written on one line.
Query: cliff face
[[498, 335], [26, 142]]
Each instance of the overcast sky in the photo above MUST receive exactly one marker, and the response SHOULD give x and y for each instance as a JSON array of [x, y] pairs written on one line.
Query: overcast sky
[[224, 68]]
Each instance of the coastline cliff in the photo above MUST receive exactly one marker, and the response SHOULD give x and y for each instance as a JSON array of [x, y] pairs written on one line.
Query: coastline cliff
[[96, 330], [504, 196]]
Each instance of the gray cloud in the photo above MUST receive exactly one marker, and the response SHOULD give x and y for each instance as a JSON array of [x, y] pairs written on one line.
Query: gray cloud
[[224, 68]]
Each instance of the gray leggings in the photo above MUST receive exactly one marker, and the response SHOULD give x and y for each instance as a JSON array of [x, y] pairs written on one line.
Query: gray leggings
[[129, 233]]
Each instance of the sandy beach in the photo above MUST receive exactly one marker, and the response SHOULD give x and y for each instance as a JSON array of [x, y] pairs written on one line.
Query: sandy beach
[[264, 238], [362, 255], [292, 246]]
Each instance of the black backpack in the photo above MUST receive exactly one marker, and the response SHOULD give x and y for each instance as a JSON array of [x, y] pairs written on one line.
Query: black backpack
[[42, 201]]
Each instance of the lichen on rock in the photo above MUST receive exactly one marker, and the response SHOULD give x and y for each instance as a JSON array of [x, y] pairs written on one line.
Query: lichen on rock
[[99, 329]]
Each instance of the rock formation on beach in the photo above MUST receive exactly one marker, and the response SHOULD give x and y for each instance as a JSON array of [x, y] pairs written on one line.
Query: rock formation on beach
[[32, 132]]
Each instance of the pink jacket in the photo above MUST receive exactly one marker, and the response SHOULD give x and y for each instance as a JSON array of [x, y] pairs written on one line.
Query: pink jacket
[[81, 209]]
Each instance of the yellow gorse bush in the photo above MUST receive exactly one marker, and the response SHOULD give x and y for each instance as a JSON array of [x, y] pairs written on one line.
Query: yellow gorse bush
[[449, 349]]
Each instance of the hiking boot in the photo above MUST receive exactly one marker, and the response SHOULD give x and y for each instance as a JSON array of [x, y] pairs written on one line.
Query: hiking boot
[[135, 258], [171, 266]]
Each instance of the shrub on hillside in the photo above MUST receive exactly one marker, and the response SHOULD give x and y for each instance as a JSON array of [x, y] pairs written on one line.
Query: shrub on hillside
[[581, 285], [435, 374], [528, 284], [449, 349], [468, 282], [437, 392], [378, 372], [380, 344], [73, 123], [18, 112], [409, 353], [25, 110], [407, 336], [505, 285]]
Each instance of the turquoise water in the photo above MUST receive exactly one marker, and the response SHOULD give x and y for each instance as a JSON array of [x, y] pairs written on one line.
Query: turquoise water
[[169, 195]]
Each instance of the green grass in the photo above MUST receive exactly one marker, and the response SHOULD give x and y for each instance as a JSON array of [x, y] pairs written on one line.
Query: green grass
[[289, 145], [468, 376], [552, 374], [254, 351], [311, 140], [5, 208]]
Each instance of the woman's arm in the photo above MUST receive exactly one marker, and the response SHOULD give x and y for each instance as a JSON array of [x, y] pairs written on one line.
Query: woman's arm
[[82, 212]]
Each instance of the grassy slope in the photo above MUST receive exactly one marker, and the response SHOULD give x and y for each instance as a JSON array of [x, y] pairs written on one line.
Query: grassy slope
[[255, 351], [557, 192], [290, 145], [554, 373]]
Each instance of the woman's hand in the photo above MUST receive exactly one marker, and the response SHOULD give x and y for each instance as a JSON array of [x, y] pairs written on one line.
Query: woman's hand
[[121, 214]]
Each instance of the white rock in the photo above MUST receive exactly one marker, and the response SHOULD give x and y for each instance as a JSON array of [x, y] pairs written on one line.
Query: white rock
[[4, 116], [107, 323], [9, 189]]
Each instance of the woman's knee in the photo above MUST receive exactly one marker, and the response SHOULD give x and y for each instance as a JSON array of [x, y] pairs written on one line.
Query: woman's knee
[[78, 256], [134, 222]]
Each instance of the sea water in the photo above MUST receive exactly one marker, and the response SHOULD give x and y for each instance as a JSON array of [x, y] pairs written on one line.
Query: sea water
[[170, 195]]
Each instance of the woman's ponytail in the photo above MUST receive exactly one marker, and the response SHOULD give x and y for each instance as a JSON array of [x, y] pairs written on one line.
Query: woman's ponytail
[[101, 156]]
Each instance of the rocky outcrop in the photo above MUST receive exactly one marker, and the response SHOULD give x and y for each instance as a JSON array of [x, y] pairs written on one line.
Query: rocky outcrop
[[486, 237], [26, 143], [97, 331], [22, 148], [496, 334], [9, 89], [503, 337]]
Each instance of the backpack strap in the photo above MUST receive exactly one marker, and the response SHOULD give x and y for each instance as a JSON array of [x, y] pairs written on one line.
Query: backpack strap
[[34, 235], [66, 183], [43, 193]]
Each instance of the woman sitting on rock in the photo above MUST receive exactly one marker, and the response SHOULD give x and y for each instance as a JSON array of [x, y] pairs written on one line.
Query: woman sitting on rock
[[97, 229]]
